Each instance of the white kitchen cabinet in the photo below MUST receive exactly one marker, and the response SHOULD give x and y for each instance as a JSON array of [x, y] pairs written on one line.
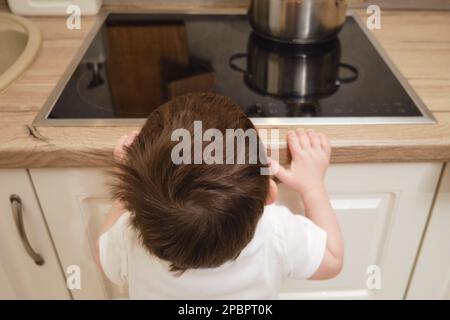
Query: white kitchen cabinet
[[382, 208], [431, 278], [75, 202], [22, 276]]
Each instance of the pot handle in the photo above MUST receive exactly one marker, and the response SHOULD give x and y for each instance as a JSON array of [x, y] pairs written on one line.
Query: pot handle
[[352, 69], [234, 57]]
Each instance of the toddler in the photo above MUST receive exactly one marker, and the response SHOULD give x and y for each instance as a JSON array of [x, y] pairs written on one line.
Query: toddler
[[215, 231]]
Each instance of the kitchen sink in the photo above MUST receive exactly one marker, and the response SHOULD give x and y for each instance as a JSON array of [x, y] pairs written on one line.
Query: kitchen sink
[[20, 40]]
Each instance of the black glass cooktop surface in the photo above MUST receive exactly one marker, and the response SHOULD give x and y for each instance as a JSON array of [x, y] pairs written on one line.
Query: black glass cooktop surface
[[137, 62]]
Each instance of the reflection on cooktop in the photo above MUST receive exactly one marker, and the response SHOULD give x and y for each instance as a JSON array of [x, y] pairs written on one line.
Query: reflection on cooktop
[[138, 62]]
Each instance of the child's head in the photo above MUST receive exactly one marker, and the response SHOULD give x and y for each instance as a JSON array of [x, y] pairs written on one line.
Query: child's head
[[192, 215]]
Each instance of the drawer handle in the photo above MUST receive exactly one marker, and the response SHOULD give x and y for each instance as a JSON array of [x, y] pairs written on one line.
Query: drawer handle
[[16, 207]]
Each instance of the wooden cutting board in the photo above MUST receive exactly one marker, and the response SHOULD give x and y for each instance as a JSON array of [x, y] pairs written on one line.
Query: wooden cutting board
[[141, 59]]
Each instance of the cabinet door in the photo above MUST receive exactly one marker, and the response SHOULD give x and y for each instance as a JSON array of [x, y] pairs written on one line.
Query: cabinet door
[[431, 279], [20, 276], [75, 202], [382, 210]]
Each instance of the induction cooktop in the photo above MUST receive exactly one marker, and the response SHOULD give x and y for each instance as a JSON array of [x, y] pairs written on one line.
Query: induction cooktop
[[136, 62]]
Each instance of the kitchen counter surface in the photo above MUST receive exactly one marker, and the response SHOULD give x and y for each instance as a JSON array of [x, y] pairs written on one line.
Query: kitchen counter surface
[[417, 41]]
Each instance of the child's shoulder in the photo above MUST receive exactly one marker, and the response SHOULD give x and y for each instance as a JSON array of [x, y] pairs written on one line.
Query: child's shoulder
[[275, 217], [122, 229], [276, 214], [279, 220]]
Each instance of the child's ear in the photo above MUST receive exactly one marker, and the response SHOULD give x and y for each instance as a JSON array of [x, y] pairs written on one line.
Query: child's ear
[[272, 195]]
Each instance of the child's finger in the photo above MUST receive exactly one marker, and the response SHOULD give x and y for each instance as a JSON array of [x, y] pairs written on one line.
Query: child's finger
[[293, 144], [325, 143], [118, 149], [304, 139], [130, 138], [314, 138], [122, 140], [278, 171]]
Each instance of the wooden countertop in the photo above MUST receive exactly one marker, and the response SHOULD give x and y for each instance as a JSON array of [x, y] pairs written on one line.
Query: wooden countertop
[[417, 41]]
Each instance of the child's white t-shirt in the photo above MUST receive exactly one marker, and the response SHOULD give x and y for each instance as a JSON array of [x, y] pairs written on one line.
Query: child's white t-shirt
[[284, 245]]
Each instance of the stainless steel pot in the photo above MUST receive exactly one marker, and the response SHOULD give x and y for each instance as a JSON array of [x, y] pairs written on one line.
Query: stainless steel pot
[[293, 73], [298, 21]]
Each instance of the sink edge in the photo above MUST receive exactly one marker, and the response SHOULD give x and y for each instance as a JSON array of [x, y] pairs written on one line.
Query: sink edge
[[28, 54]]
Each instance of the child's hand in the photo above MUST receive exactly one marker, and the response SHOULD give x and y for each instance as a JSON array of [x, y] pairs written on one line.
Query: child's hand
[[310, 153], [124, 141]]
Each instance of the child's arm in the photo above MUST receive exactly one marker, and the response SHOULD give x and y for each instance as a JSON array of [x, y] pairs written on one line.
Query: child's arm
[[113, 215], [310, 159], [117, 208]]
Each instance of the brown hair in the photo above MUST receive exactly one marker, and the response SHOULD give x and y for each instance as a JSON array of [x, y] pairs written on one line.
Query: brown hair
[[192, 215]]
